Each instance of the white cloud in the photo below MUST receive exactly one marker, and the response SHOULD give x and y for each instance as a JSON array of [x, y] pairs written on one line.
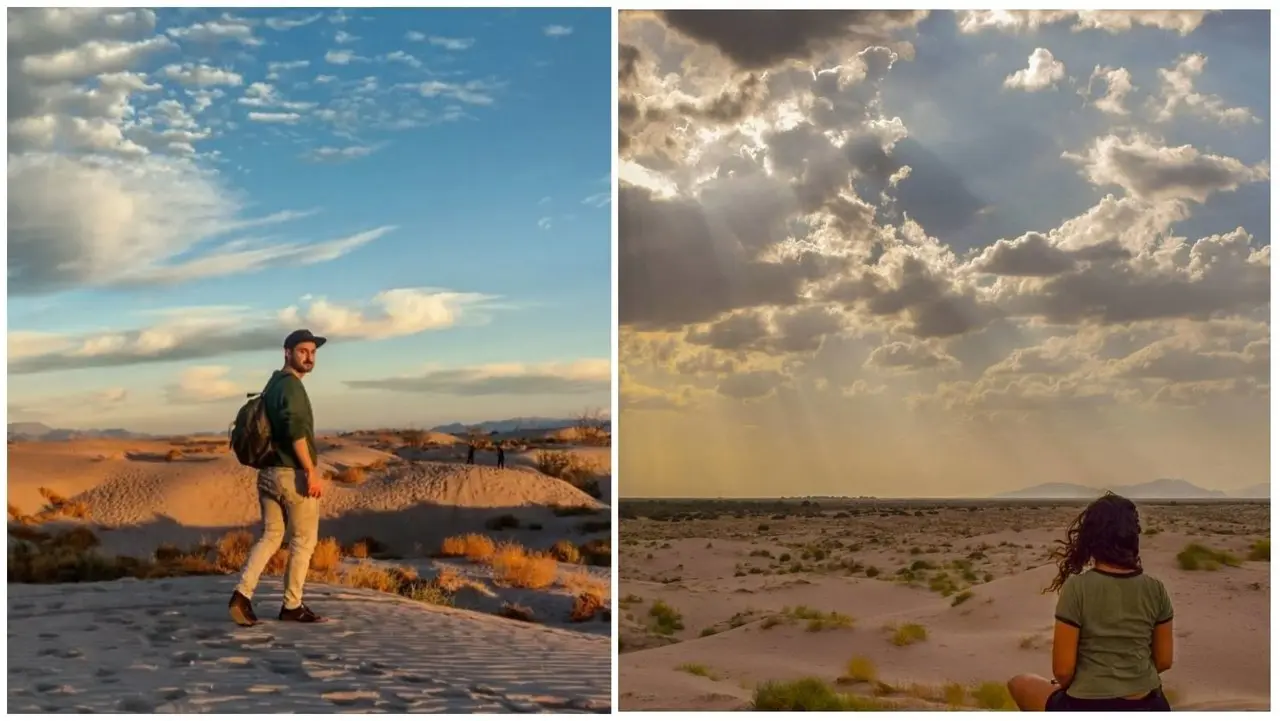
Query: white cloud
[[474, 92], [1182, 22], [1177, 89], [1119, 83], [1150, 171], [210, 333], [557, 31], [343, 37], [1042, 72], [333, 154], [291, 23], [276, 68], [590, 375], [200, 75], [598, 200], [205, 384], [455, 44], [415, 36], [400, 56], [544, 223], [285, 118], [226, 29], [340, 57]]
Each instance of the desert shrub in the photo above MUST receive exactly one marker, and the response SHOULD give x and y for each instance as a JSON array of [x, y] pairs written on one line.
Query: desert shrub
[[585, 607], [71, 557], [503, 522], [27, 533], [664, 619], [809, 694], [568, 467], [961, 597], [413, 438], [909, 633], [15, 513], [359, 549], [167, 552], [57, 505], [597, 552], [518, 612], [872, 572], [565, 552], [327, 555], [696, 669], [173, 455], [992, 695], [1196, 557], [818, 621], [860, 669], [516, 567], [473, 547], [350, 474], [1260, 550]]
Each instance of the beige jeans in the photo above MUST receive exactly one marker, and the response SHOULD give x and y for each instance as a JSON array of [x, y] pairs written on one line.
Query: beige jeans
[[282, 492]]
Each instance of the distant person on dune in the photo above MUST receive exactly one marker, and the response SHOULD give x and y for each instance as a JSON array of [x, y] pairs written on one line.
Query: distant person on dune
[[471, 454], [289, 487], [502, 457], [1113, 635]]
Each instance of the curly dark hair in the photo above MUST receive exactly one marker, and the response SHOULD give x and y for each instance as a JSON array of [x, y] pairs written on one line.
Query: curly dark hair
[[1107, 530]]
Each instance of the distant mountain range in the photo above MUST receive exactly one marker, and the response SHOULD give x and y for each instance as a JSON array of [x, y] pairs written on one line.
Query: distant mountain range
[[533, 423], [1159, 489], [41, 432]]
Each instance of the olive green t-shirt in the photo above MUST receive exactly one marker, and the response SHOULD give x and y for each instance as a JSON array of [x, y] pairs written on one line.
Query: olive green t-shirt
[[289, 413], [1117, 615]]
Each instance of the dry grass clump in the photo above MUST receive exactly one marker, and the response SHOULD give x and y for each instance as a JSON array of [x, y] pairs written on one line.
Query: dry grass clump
[[811, 694], [173, 455], [1196, 557], [232, 550], [57, 506], [859, 669], [565, 552], [400, 580], [516, 567], [597, 552], [71, 556], [909, 633], [327, 556], [574, 511], [1260, 550], [584, 582], [473, 547], [568, 467], [585, 607]]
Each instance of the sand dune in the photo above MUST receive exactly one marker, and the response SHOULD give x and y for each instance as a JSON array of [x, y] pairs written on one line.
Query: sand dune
[[133, 646], [180, 652], [741, 626]]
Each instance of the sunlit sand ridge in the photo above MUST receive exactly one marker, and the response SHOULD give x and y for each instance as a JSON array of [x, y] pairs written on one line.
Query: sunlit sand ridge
[[449, 587]]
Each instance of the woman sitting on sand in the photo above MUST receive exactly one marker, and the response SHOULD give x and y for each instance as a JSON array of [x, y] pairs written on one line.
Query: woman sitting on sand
[[1113, 634]]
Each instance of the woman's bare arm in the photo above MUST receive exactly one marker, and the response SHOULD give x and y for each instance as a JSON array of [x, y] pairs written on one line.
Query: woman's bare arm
[[1162, 646], [1066, 640]]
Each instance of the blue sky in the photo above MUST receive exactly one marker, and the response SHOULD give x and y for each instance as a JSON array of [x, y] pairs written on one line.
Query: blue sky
[[913, 253], [428, 187]]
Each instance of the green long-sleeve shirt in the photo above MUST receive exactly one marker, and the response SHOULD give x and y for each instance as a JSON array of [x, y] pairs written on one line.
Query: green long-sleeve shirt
[[289, 413]]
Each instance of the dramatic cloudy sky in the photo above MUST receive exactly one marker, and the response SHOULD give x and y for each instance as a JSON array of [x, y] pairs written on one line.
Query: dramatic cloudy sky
[[904, 253], [429, 188]]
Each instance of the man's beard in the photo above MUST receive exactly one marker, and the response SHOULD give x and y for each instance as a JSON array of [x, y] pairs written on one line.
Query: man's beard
[[303, 367]]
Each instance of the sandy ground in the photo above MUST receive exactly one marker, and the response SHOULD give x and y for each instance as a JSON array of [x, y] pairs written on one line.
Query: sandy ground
[[167, 647], [722, 569], [137, 498]]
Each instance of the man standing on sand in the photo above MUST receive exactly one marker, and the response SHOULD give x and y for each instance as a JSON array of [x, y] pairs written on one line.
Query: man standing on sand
[[502, 457], [289, 489]]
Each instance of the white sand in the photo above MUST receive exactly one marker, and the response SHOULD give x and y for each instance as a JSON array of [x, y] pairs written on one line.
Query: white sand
[[169, 647], [1221, 617]]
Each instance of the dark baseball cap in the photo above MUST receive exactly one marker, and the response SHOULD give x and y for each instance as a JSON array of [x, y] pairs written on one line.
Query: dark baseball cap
[[302, 336]]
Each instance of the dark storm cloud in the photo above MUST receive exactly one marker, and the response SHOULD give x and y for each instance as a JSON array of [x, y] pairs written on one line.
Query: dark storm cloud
[[676, 268], [757, 39]]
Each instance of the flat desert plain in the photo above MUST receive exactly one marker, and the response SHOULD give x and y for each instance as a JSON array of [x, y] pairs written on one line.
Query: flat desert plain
[[910, 604], [450, 587]]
